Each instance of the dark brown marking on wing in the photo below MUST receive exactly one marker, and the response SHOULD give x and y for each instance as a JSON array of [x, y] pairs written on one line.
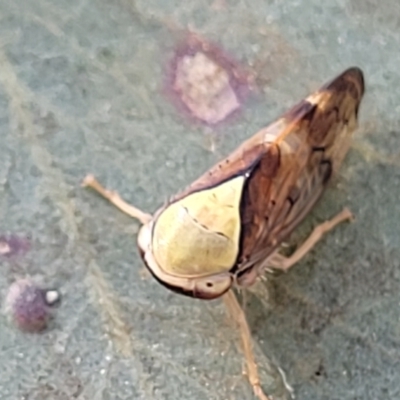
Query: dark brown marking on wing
[[326, 171], [350, 81], [255, 195], [270, 163]]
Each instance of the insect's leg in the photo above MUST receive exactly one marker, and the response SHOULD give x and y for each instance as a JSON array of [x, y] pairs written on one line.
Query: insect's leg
[[281, 262], [114, 198], [237, 313]]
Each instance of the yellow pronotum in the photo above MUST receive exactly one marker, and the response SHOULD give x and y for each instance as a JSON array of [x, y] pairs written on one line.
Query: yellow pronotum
[[199, 234]]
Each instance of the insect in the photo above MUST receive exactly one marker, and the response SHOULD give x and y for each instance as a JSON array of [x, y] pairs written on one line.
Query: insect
[[225, 229]]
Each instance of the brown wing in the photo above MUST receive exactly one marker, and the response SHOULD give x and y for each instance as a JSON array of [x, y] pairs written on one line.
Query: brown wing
[[297, 164], [288, 165]]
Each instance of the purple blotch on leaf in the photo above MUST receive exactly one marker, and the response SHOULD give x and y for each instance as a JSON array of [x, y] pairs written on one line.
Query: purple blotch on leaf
[[29, 306], [13, 245], [205, 82]]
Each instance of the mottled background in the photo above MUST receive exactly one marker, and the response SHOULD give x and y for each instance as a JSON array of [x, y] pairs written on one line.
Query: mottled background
[[85, 86]]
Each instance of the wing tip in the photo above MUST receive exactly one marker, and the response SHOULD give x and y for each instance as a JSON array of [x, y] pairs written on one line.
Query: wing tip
[[351, 79]]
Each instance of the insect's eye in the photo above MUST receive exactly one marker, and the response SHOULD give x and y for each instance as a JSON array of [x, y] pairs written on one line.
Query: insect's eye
[[212, 287]]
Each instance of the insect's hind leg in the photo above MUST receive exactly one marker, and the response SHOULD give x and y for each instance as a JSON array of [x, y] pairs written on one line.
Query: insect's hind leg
[[237, 313], [278, 261], [114, 198]]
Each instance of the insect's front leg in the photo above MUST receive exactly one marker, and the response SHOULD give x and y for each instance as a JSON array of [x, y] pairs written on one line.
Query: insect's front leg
[[114, 198], [278, 261], [237, 313]]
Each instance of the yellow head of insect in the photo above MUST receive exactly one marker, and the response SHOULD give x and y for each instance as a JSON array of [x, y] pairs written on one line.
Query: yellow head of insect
[[196, 239]]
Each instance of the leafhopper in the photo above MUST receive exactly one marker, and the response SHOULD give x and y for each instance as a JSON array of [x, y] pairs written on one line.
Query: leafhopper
[[225, 229]]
